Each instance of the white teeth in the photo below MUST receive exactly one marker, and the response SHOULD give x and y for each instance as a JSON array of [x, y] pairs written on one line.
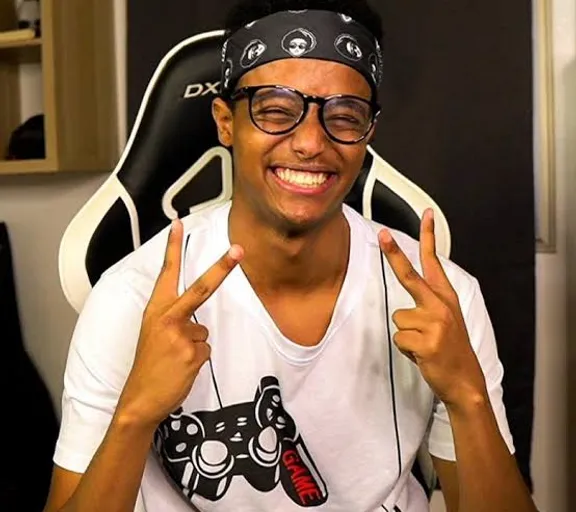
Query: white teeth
[[302, 178]]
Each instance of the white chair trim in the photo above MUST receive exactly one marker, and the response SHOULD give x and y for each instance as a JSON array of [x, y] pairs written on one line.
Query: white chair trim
[[417, 198]]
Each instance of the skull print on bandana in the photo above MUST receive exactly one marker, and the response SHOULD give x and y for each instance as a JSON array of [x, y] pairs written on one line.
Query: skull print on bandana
[[299, 42]]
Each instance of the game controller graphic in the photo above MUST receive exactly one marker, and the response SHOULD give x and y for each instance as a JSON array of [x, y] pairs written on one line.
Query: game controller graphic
[[204, 451]]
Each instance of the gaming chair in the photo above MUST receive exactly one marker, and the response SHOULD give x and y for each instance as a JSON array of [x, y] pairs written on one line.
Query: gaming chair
[[173, 165]]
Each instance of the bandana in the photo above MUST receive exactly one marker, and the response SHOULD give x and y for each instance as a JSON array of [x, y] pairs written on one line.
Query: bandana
[[311, 34]]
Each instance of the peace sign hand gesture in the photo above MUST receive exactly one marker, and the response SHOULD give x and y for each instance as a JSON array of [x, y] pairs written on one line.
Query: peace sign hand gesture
[[172, 349], [433, 334]]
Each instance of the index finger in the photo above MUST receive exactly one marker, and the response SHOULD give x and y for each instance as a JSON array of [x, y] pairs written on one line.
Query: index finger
[[403, 269], [427, 238], [432, 269], [166, 287], [203, 288]]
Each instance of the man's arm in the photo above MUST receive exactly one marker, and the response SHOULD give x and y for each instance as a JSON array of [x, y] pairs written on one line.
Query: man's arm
[[63, 485], [456, 354], [112, 479], [448, 475], [485, 476]]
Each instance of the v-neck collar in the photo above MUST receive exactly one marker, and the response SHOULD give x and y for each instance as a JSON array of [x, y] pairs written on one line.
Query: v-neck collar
[[238, 285]]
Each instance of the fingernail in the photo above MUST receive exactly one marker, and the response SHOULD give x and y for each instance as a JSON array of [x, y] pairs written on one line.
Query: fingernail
[[385, 236], [236, 252]]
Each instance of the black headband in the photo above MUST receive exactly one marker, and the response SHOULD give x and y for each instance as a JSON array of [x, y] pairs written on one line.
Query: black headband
[[311, 34]]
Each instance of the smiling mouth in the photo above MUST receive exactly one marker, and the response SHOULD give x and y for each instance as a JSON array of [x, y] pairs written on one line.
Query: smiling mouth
[[302, 178]]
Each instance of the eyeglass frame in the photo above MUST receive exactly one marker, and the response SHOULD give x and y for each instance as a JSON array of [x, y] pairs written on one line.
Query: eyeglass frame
[[251, 90]]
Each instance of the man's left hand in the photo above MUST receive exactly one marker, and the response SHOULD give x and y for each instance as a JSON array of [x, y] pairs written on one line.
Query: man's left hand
[[433, 334]]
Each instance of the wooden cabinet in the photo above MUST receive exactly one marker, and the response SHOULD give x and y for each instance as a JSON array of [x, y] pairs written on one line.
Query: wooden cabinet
[[76, 54]]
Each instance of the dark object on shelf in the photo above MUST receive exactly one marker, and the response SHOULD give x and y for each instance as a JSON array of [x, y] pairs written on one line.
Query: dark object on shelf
[[27, 141]]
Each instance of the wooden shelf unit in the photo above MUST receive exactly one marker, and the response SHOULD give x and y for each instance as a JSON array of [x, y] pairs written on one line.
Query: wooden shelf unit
[[5, 45], [77, 57], [25, 166]]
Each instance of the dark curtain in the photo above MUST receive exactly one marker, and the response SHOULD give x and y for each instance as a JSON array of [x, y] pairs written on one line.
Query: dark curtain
[[457, 120], [29, 418]]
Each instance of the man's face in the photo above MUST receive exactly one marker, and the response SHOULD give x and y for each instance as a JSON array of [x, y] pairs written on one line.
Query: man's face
[[296, 181]]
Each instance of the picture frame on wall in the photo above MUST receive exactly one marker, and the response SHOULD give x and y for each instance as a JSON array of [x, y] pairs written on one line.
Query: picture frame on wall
[[544, 132]]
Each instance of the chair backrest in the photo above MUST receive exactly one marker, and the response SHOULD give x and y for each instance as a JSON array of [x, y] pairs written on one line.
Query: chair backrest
[[173, 164]]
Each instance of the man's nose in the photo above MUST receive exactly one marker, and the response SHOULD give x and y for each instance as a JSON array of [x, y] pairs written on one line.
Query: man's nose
[[309, 138]]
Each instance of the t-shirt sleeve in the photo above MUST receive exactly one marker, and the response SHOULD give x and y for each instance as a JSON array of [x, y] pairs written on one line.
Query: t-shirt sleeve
[[99, 360], [481, 333]]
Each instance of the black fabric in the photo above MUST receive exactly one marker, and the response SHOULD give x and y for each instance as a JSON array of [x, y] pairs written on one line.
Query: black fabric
[[456, 120], [110, 242], [308, 34], [28, 414]]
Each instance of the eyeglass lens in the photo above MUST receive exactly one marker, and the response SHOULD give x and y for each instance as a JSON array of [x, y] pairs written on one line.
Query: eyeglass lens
[[277, 110]]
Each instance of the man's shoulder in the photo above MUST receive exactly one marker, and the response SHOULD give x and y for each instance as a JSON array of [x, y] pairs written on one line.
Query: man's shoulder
[[138, 271]]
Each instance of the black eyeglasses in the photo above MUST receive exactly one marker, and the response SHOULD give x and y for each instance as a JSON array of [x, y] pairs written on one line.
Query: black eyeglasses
[[277, 110]]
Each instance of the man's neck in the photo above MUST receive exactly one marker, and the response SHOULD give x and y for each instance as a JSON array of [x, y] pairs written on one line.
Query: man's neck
[[275, 260]]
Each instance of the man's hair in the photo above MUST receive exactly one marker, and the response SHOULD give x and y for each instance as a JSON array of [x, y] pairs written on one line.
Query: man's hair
[[246, 11]]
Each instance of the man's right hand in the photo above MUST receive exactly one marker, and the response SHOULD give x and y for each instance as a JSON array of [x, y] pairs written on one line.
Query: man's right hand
[[172, 348], [170, 352]]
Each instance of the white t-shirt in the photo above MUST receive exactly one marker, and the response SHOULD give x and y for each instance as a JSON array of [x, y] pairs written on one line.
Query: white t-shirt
[[271, 425]]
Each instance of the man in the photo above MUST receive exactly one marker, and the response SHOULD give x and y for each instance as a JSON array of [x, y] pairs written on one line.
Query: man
[[288, 353]]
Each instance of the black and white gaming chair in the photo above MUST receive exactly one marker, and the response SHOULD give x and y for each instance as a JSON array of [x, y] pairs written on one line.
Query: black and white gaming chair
[[173, 164]]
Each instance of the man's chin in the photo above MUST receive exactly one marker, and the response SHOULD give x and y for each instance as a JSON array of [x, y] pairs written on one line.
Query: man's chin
[[300, 222]]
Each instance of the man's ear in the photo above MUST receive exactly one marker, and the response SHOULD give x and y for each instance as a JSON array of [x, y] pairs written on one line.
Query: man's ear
[[224, 119]]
